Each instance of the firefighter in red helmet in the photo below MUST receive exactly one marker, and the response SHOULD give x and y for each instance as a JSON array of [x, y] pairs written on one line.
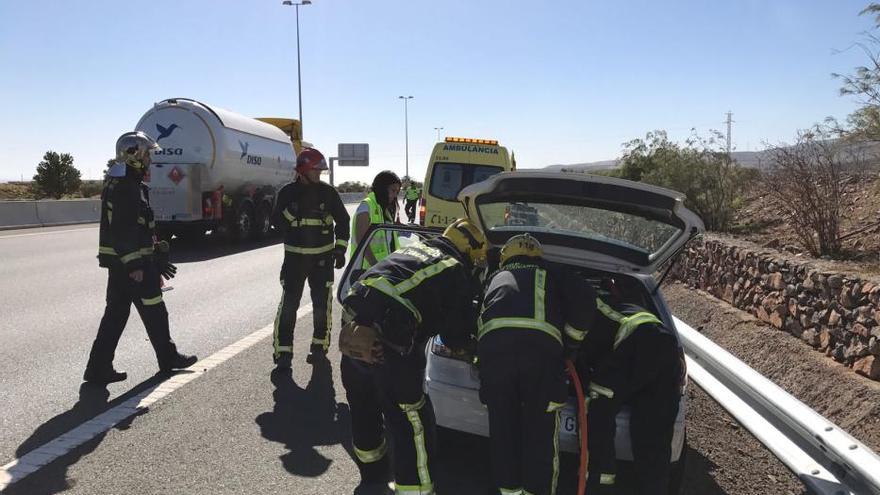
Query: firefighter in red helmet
[[314, 221]]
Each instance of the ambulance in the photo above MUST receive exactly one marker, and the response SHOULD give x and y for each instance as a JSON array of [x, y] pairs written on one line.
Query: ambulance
[[455, 164]]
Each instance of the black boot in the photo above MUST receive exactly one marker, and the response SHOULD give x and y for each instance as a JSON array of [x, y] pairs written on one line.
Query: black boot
[[316, 353], [376, 473], [283, 360], [104, 377], [178, 361]]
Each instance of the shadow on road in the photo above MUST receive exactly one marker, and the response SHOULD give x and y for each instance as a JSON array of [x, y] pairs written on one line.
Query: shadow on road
[[305, 418], [210, 247], [696, 475], [462, 465], [52, 478]]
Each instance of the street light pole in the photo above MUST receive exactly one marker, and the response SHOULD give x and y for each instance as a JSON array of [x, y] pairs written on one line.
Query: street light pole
[[438, 129], [406, 128], [298, 72]]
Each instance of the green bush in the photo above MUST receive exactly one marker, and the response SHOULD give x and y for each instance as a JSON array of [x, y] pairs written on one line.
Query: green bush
[[712, 182], [91, 188]]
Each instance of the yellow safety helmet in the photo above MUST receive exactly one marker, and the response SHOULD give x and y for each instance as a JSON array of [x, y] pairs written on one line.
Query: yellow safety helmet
[[468, 239], [521, 245]]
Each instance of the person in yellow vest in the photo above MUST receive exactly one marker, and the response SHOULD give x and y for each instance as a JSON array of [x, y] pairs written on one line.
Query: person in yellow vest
[[380, 206], [412, 193]]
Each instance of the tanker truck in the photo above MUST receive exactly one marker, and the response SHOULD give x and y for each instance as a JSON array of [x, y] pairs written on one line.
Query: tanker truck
[[216, 171]]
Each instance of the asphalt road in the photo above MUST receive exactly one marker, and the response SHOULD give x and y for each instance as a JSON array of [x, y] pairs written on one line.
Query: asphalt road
[[234, 429]]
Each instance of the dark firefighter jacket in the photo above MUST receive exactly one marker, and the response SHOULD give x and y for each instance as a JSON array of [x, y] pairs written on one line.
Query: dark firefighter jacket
[[524, 295], [127, 229], [431, 280], [306, 213]]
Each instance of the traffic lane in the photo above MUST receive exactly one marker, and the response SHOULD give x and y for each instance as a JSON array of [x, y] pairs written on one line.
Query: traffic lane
[[220, 295], [240, 428]]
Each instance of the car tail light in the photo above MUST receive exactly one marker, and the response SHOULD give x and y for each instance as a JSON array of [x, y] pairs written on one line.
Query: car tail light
[[440, 349], [422, 212]]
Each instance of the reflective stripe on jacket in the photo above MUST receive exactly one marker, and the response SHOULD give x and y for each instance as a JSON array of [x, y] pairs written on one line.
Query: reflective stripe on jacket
[[312, 217]]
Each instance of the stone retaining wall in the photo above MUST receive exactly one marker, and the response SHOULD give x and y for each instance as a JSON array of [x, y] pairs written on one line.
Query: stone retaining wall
[[834, 312]]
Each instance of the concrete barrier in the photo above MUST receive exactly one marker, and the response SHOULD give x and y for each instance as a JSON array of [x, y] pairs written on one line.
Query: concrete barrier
[[18, 214], [26, 214], [354, 197], [69, 211], [47, 213]]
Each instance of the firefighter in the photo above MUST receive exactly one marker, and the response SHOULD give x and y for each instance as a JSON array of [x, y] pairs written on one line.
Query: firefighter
[[415, 293], [314, 221], [412, 193], [530, 315], [632, 358], [134, 260]]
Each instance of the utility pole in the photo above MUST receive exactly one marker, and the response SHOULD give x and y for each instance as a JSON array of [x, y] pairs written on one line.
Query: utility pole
[[728, 122], [406, 128]]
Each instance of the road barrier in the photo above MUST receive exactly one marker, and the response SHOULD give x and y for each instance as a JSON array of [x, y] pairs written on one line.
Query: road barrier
[[24, 214], [48, 213], [826, 459]]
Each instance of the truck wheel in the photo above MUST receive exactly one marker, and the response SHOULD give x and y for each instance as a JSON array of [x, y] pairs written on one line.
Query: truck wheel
[[263, 225], [243, 223]]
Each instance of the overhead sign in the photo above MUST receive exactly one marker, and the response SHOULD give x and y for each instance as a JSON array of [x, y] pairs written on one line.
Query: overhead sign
[[353, 155]]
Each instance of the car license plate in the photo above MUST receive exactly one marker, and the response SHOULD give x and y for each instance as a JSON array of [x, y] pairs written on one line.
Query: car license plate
[[568, 422]]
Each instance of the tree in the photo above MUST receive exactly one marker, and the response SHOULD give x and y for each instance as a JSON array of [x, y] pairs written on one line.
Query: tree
[[805, 182], [864, 85], [56, 176], [352, 186]]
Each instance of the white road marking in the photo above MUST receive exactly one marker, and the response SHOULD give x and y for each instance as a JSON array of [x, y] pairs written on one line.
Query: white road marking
[[46, 233], [23, 466]]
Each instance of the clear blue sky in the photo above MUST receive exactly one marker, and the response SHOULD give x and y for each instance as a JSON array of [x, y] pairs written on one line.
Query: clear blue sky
[[558, 82]]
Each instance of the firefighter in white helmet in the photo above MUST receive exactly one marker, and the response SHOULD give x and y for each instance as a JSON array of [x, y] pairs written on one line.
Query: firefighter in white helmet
[[135, 261]]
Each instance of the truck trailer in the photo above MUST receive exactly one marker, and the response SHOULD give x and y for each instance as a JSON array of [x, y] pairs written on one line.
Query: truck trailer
[[217, 170]]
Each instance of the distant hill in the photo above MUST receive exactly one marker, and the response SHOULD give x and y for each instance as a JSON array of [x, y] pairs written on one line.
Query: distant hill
[[750, 159]]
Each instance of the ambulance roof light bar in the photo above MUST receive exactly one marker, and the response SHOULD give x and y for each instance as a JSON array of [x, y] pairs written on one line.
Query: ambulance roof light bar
[[489, 142]]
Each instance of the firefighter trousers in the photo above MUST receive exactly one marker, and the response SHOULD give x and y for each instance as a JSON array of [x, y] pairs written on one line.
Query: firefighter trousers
[[391, 393], [642, 373], [522, 383], [318, 269], [122, 292]]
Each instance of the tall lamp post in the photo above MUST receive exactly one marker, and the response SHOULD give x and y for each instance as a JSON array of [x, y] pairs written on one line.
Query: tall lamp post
[[438, 129], [406, 128], [298, 74]]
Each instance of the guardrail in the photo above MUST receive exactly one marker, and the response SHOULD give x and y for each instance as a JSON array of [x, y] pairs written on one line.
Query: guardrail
[[825, 458]]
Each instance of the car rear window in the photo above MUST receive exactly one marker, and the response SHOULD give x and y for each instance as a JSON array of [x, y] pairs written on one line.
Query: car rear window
[[448, 179], [576, 221]]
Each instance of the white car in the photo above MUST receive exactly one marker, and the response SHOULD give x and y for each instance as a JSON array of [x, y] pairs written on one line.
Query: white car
[[614, 232]]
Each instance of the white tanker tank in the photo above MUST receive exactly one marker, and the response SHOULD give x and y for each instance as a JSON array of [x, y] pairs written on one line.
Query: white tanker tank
[[216, 169]]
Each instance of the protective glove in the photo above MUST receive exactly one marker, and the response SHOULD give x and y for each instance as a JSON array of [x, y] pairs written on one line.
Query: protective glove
[[339, 256], [168, 271]]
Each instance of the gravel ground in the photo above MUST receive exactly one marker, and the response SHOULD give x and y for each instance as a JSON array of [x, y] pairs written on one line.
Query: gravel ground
[[725, 458]]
